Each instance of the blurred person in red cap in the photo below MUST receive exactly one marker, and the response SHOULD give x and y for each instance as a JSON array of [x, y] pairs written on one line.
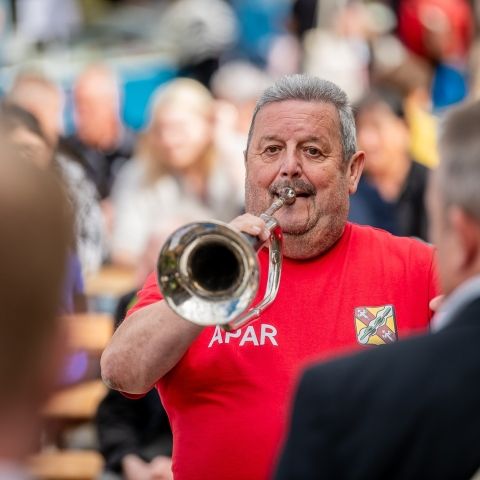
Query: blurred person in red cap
[[436, 29], [441, 31]]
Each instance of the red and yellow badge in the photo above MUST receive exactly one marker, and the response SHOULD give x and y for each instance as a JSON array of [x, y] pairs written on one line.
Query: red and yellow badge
[[375, 325]]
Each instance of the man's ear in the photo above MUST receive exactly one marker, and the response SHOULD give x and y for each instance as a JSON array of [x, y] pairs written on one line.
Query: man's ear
[[466, 231], [354, 171]]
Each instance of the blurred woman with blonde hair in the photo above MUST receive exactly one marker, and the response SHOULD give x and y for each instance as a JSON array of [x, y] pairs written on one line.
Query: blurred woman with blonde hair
[[177, 175]]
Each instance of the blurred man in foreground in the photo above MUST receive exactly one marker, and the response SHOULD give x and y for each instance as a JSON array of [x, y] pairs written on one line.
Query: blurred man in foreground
[[409, 410], [36, 233]]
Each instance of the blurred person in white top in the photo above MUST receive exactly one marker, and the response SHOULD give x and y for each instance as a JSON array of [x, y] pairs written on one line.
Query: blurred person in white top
[[44, 99], [42, 21], [177, 176]]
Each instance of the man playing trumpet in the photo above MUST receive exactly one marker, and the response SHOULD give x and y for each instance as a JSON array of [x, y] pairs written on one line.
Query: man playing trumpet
[[227, 393]]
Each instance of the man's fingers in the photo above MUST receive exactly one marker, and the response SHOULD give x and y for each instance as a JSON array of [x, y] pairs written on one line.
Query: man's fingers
[[436, 302], [252, 225]]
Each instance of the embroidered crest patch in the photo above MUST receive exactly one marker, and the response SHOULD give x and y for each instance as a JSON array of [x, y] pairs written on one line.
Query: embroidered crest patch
[[375, 325]]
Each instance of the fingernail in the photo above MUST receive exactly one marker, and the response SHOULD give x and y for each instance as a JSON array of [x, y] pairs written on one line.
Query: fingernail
[[256, 230]]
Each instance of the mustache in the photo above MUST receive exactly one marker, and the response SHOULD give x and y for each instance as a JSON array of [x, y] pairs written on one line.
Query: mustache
[[299, 185]]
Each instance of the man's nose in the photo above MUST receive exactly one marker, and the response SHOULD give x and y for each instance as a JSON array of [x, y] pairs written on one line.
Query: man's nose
[[291, 165]]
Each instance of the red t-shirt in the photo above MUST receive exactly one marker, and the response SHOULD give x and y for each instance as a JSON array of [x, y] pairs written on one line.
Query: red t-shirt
[[229, 396]]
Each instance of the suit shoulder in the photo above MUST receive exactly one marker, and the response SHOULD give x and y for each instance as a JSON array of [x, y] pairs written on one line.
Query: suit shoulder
[[362, 370]]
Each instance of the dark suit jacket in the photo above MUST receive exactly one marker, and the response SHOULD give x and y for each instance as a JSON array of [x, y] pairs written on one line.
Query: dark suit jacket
[[405, 411]]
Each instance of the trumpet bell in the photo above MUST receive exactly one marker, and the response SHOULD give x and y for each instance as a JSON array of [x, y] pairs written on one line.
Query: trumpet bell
[[208, 273]]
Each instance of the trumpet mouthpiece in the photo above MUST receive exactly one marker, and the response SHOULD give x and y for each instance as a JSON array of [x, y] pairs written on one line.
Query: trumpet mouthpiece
[[288, 194]]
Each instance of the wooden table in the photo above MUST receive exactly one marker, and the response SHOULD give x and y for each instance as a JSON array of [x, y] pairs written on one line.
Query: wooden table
[[66, 465], [111, 281], [90, 331]]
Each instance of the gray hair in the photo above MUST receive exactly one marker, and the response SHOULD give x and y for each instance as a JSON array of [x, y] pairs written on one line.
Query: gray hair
[[312, 89], [459, 170]]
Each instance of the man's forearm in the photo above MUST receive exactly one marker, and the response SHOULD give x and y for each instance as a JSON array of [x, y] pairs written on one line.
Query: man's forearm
[[145, 347]]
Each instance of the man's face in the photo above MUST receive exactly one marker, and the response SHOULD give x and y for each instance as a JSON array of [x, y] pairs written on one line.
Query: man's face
[[298, 143], [96, 111]]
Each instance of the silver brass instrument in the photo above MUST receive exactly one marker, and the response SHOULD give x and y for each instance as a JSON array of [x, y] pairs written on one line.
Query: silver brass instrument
[[208, 272]]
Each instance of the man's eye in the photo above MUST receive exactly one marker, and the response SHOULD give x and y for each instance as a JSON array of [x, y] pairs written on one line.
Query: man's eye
[[312, 151], [272, 149]]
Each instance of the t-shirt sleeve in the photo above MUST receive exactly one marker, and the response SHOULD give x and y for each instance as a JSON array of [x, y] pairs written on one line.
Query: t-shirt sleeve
[[150, 293]]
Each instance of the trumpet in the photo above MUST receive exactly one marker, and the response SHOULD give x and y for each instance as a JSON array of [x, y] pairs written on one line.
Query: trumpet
[[208, 272]]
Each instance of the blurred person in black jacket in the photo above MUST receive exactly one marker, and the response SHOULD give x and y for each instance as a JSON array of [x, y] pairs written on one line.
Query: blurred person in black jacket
[[134, 434], [391, 192], [100, 139]]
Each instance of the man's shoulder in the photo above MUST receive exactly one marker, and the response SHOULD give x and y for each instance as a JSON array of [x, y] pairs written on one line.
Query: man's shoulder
[[385, 241]]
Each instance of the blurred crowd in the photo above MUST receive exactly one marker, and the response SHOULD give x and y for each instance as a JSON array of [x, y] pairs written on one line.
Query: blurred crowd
[[403, 63]]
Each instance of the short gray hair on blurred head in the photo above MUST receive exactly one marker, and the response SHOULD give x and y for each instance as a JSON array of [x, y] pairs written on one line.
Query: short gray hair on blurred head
[[239, 81], [459, 170], [312, 89]]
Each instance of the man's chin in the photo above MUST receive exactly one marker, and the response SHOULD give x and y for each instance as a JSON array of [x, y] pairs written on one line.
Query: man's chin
[[295, 230]]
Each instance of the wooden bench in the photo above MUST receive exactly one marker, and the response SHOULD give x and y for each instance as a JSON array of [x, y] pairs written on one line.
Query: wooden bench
[[79, 402], [75, 405], [91, 333]]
